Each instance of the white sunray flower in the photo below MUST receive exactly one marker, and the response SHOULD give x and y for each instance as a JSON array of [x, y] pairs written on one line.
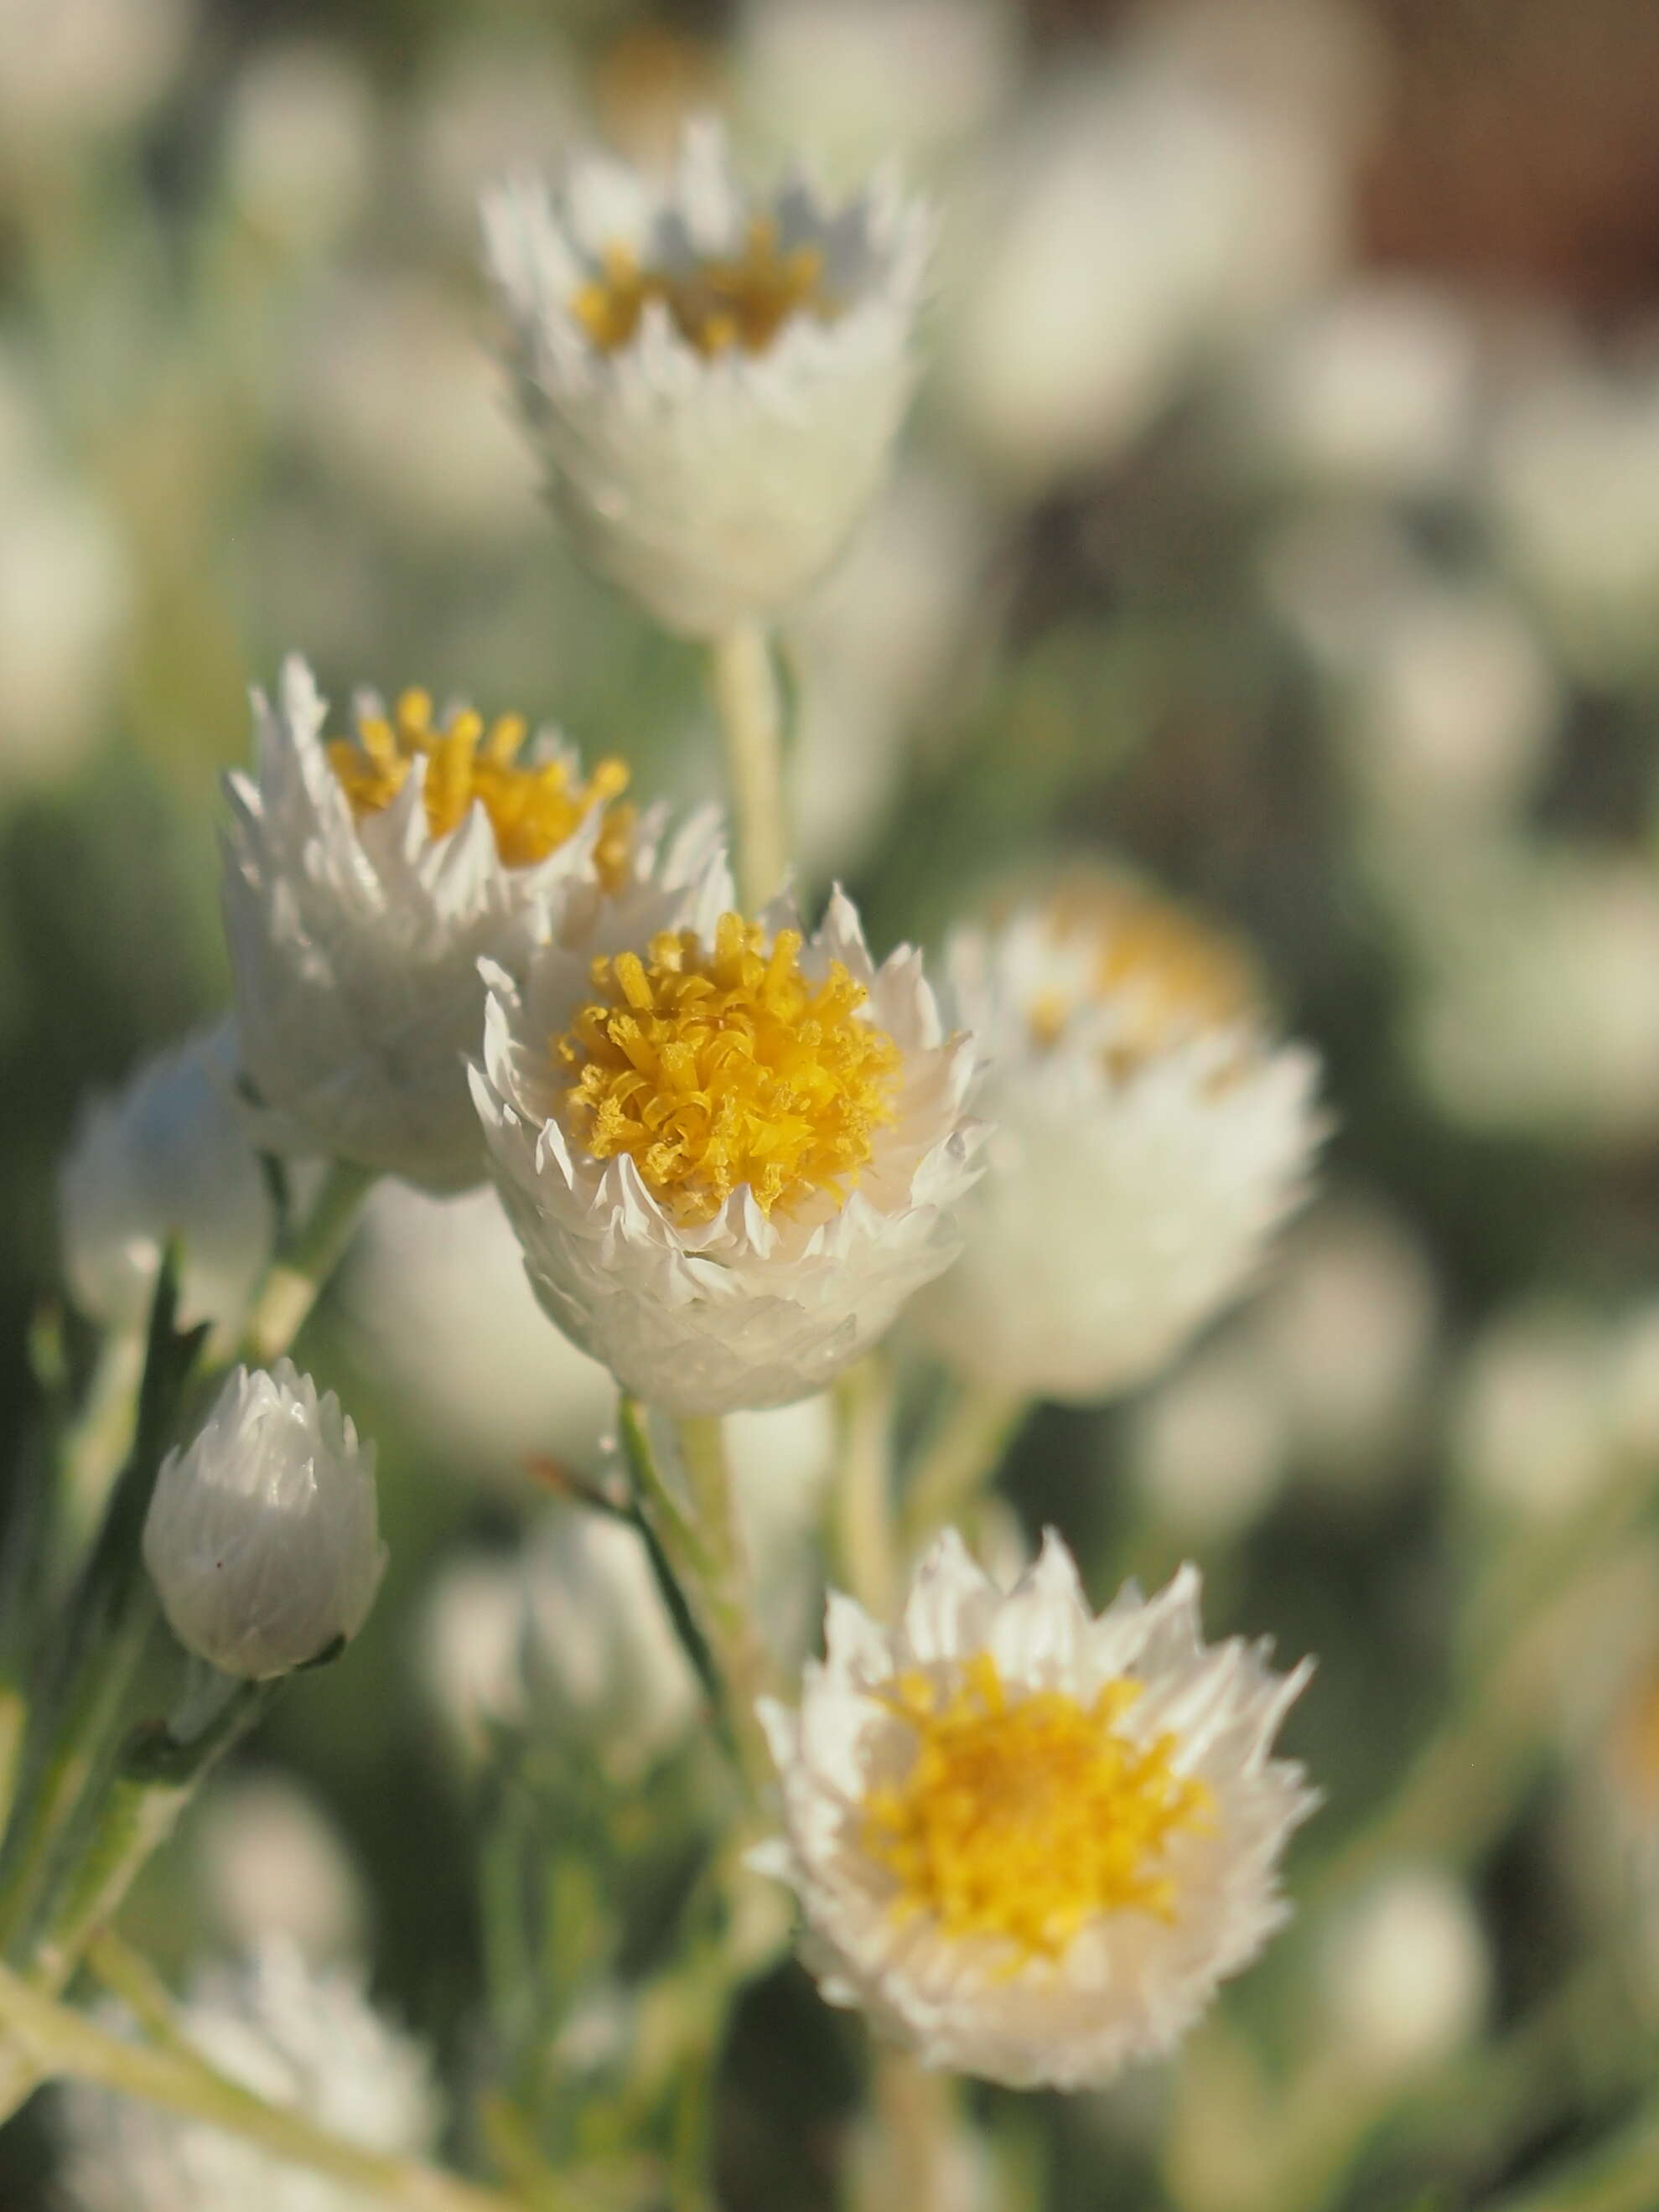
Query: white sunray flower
[[714, 382], [263, 1536], [364, 879], [1028, 1841], [730, 1150], [295, 2036], [1148, 1138]]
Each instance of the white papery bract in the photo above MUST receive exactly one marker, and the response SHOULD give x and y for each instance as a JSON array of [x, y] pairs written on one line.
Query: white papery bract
[[970, 1728], [1142, 1155], [747, 1306], [355, 943], [714, 384], [263, 1536], [167, 1156], [305, 2040]]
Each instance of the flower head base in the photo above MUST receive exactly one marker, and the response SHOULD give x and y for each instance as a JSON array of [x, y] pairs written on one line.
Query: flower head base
[[1022, 1818], [714, 386], [725, 1067], [533, 807], [1029, 1840], [729, 1149], [741, 301]]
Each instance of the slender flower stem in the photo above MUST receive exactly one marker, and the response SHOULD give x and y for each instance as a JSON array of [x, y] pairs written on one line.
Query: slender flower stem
[[909, 2167], [96, 1446], [698, 1537], [304, 1261], [59, 2041], [957, 1463], [727, 1597], [751, 728], [862, 1495], [14, 1725]]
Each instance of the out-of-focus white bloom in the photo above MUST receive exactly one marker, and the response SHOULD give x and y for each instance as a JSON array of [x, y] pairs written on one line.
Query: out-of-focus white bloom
[[76, 68], [569, 1637], [605, 1661], [1371, 390], [1537, 1005], [1406, 1973], [1210, 1447], [1029, 1841], [1573, 484], [868, 79], [1443, 699], [714, 386], [1138, 216], [1530, 1425], [469, 1647], [299, 143], [730, 1151], [64, 599], [1148, 1139], [1347, 1329], [393, 399], [438, 1288], [262, 1538], [1552, 1401], [270, 1865], [873, 647], [305, 2040], [167, 1156], [363, 881]]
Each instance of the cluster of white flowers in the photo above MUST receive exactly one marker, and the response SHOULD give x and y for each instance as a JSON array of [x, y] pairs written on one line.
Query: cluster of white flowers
[[733, 1150]]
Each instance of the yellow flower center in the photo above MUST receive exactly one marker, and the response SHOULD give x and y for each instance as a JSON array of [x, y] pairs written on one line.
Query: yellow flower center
[[532, 807], [1025, 1818], [1171, 975], [716, 1069], [716, 305]]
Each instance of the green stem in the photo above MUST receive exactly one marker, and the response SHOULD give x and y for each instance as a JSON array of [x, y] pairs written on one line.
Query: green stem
[[58, 2041], [304, 1261], [862, 1495], [702, 1546], [725, 1599], [747, 695], [908, 2165], [958, 1461], [14, 1725]]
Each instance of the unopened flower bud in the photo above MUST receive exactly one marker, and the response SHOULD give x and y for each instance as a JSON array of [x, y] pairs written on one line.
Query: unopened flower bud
[[263, 1537]]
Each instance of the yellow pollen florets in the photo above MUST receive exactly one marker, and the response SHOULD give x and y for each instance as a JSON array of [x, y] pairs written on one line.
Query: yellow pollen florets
[[1172, 975], [744, 302], [1025, 1818], [532, 808], [716, 1069]]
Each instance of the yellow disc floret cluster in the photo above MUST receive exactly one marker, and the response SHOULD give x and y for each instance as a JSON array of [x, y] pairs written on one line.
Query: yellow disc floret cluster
[[1171, 975], [1025, 1817], [533, 807], [716, 1068], [716, 305]]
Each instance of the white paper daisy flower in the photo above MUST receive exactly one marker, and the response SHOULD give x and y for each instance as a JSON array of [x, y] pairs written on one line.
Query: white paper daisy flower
[[714, 383], [1029, 1841], [730, 1150], [1149, 1137], [364, 879]]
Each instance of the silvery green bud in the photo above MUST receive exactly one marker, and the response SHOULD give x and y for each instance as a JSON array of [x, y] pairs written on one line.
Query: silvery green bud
[[263, 1537]]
